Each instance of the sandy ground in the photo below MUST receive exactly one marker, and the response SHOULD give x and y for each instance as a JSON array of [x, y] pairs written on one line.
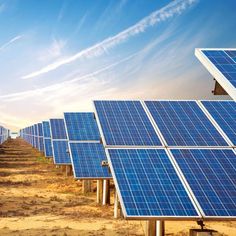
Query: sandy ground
[[36, 198]]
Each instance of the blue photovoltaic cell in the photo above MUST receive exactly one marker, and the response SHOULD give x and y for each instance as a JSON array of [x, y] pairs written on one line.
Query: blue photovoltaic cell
[[36, 139], [126, 123], [87, 159], [149, 184], [183, 123], [61, 152], [225, 62], [48, 147], [224, 113], [211, 174], [58, 130], [41, 144], [40, 129], [81, 126], [46, 129]]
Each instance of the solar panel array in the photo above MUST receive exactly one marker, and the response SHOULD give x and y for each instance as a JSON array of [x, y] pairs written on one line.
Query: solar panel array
[[221, 64], [4, 134], [146, 177], [86, 151]]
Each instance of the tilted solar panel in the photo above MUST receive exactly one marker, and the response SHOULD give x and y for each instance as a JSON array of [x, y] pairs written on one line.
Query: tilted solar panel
[[48, 147], [58, 130], [40, 129], [224, 113], [61, 152], [183, 123], [87, 159], [81, 126], [46, 129], [125, 123], [41, 144], [148, 184], [221, 64], [36, 138], [211, 175]]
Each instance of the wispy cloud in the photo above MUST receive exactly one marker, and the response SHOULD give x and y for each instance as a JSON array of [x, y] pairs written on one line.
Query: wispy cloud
[[163, 14], [7, 44]]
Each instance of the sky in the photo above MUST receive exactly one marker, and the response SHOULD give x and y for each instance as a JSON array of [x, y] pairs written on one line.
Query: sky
[[59, 55]]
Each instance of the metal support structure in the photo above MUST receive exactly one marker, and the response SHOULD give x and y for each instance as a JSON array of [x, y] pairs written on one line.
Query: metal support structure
[[99, 191], [68, 170], [116, 205], [160, 228], [106, 192], [150, 228]]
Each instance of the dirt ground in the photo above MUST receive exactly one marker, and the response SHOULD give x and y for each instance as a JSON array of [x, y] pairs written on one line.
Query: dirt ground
[[36, 198]]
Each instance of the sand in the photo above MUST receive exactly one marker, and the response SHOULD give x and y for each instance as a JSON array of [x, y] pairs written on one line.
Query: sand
[[36, 198]]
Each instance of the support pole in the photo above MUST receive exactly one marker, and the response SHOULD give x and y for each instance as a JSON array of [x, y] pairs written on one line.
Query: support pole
[[86, 186], [106, 192], [160, 227], [151, 228], [116, 205], [68, 170], [99, 191]]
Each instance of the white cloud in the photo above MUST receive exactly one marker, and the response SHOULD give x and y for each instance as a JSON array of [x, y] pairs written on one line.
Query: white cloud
[[7, 44], [170, 10]]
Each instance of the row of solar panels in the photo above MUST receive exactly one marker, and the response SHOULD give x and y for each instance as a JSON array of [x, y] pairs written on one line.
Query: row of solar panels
[[168, 159], [4, 134]]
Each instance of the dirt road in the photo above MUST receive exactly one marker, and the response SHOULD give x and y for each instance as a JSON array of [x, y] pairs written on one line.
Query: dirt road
[[36, 198]]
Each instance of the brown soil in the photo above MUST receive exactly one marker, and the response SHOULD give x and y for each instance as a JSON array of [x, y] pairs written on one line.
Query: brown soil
[[36, 198]]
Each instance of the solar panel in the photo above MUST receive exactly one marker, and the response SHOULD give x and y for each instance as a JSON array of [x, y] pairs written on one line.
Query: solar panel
[[36, 139], [48, 147], [81, 126], [125, 123], [58, 130], [87, 159], [149, 185], [46, 129], [211, 175], [221, 64], [183, 123], [224, 113], [61, 152]]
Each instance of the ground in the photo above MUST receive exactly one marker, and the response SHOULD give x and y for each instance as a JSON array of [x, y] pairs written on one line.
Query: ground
[[36, 198]]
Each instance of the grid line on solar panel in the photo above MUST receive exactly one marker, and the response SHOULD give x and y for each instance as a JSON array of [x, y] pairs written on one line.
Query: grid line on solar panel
[[81, 126], [211, 175], [58, 130], [148, 184], [87, 159], [125, 123], [183, 123], [60, 152], [224, 114]]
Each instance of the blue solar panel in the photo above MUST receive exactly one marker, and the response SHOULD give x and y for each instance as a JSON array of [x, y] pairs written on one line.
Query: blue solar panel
[[40, 129], [81, 126], [46, 129], [58, 130], [211, 174], [183, 123], [61, 152], [148, 184], [48, 147], [87, 159], [41, 144], [224, 113], [224, 61], [126, 123], [36, 139]]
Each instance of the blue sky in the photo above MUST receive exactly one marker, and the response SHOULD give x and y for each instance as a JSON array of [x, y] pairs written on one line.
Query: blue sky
[[59, 55]]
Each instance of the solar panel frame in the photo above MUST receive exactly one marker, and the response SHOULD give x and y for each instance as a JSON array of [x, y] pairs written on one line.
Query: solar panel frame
[[214, 121], [204, 216], [198, 210], [126, 146], [180, 146], [223, 81]]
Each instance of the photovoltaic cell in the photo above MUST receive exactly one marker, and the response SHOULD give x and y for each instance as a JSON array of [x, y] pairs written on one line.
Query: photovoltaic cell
[[224, 113], [183, 123], [224, 61], [41, 144], [46, 129], [126, 123], [48, 147], [58, 130], [87, 159], [81, 126], [148, 184], [211, 174], [61, 152], [40, 129]]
